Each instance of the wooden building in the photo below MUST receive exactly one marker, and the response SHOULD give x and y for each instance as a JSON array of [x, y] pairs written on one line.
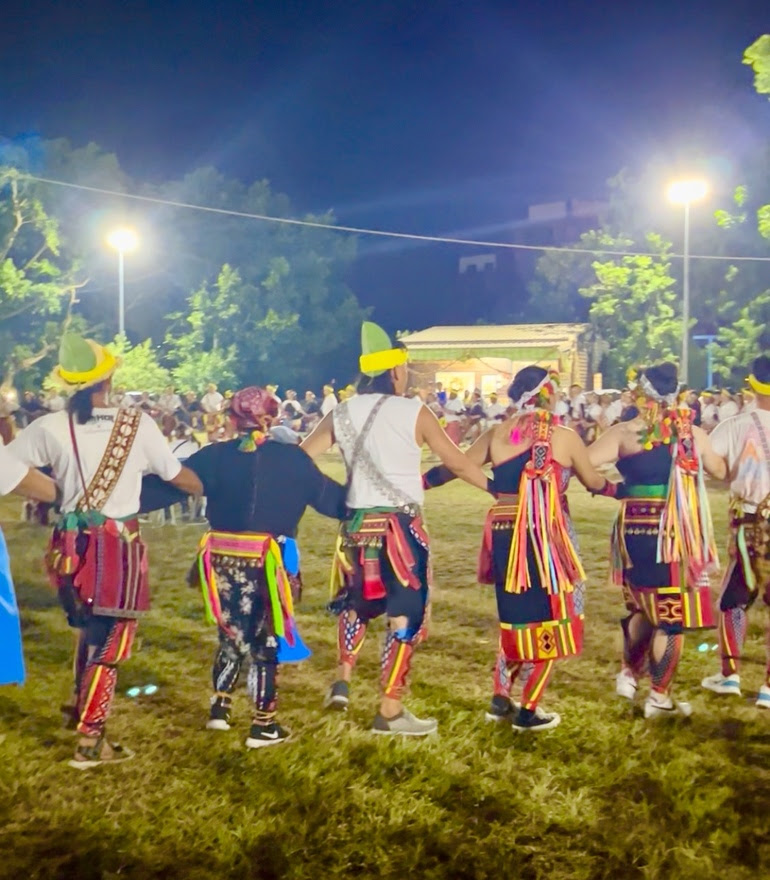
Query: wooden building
[[487, 357]]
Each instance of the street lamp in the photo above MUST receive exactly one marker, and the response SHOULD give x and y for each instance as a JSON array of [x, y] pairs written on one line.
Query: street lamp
[[123, 240], [685, 192]]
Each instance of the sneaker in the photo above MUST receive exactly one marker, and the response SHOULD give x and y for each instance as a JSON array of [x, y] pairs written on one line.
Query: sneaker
[[763, 697], [535, 720], [625, 684], [721, 684], [501, 709], [262, 735], [657, 705], [338, 696], [219, 714], [404, 724]]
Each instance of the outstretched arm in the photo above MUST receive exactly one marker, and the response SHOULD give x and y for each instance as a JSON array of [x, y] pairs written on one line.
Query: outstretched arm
[[429, 431], [321, 438], [478, 453], [37, 486], [584, 469], [714, 463], [606, 450]]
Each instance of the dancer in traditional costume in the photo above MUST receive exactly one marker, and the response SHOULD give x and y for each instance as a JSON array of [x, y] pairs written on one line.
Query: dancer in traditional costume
[[529, 549], [257, 489], [382, 558], [744, 441], [17, 478], [663, 543], [96, 558]]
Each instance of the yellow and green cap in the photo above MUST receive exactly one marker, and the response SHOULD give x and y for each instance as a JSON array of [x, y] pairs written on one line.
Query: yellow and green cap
[[377, 352], [83, 363]]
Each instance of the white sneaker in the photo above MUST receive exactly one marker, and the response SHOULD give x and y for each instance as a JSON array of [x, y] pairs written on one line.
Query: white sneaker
[[625, 684], [721, 684], [657, 705], [763, 697]]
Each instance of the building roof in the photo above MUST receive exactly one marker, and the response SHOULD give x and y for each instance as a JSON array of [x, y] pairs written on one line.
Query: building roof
[[515, 341]]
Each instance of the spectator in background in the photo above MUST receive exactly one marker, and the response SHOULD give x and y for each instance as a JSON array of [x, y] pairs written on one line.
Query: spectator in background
[[454, 409], [694, 404], [727, 406], [329, 401], [169, 402], [212, 400], [441, 395], [495, 411], [30, 408], [709, 412]]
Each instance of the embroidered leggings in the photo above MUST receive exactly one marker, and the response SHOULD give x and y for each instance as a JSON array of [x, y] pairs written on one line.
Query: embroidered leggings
[[534, 678], [103, 643]]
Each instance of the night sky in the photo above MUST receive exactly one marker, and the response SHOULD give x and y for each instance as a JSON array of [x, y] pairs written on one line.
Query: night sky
[[422, 116]]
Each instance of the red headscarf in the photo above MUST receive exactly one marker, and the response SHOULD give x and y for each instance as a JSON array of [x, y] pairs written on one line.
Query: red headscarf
[[253, 407]]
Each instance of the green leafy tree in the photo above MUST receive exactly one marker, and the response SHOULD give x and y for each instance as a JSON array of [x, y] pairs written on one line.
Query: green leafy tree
[[139, 369], [38, 283], [634, 307], [757, 56], [230, 333]]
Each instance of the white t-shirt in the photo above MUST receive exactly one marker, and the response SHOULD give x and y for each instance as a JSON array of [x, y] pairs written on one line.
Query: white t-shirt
[[561, 409], [739, 441], [55, 403], [211, 402], [613, 412], [495, 410], [453, 408], [169, 403], [47, 441], [329, 402], [727, 410], [183, 449], [708, 414], [391, 445], [12, 471]]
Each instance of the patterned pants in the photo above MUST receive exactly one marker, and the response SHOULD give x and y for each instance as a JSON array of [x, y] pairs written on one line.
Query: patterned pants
[[247, 617], [103, 643]]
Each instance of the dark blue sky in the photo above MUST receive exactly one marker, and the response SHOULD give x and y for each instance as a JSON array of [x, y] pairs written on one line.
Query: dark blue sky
[[426, 116]]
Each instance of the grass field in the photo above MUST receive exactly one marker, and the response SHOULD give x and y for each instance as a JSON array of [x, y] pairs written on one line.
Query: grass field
[[605, 795]]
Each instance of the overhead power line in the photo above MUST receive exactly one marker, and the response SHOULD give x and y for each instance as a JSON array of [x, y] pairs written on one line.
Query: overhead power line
[[383, 233]]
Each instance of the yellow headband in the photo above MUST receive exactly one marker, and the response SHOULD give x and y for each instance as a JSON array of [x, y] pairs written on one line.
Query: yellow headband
[[100, 371], [759, 387], [380, 361]]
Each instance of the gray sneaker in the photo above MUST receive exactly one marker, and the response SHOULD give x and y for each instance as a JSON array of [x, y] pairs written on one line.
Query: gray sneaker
[[404, 724], [338, 696]]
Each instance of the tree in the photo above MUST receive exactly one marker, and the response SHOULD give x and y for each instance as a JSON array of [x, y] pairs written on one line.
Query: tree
[[634, 307], [139, 369], [757, 56], [38, 283]]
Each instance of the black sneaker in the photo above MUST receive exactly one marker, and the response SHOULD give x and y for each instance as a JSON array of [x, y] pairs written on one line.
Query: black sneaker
[[537, 720], [262, 735], [501, 709], [338, 696], [219, 714]]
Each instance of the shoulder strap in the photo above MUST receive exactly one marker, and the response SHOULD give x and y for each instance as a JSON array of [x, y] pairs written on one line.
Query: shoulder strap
[[762, 438], [359, 456], [110, 469]]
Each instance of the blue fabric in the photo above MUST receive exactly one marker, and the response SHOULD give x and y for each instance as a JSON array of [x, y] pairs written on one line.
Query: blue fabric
[[295, 653], [11, 657], [290, 554]]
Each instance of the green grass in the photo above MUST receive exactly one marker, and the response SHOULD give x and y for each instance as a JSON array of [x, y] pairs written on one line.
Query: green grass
[[604, 795]]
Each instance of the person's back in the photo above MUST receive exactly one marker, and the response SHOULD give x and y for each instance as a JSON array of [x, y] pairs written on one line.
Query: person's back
[[390, 444]]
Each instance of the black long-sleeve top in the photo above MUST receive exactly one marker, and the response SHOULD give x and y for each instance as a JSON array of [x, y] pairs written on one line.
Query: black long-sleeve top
[[262, 491]]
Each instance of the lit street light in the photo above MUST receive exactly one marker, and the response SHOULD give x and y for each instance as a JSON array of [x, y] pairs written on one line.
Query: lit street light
[[123, 240], [685, 192]]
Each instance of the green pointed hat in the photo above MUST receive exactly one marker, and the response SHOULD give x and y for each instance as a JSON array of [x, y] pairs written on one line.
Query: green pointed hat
[[377, 352], [83, 363]]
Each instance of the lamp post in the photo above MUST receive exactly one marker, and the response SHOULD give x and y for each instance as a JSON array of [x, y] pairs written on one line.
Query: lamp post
[[709, 339], [685, 192], [123, 240]]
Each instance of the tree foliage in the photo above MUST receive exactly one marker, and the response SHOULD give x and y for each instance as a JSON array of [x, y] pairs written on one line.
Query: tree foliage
[[634, 307], [757, 56], [38, 283], [139, 369]]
